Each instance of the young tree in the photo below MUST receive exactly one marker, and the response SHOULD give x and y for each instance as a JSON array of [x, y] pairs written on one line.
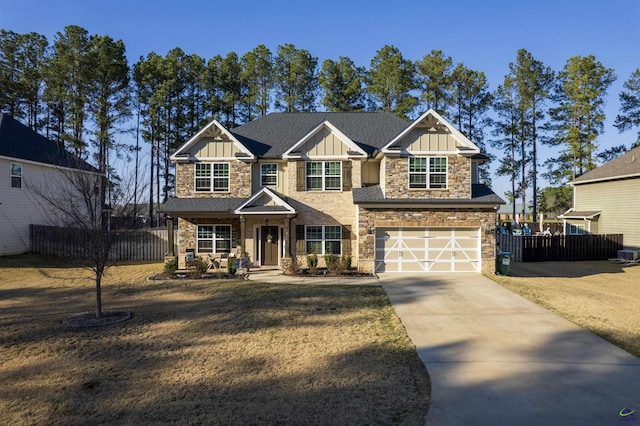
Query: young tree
[[295, 79], [390, 80], [342, 83], [434, 77], [629, 116], [578, 119]]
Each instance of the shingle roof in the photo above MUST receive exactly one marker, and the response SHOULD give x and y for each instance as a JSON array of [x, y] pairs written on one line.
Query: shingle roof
[[200, 205], [272, 135], [20, 142], [627, 165], [480, 194]]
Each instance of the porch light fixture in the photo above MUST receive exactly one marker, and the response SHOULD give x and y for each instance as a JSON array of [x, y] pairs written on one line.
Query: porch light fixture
[[487, 229], [369, 230]]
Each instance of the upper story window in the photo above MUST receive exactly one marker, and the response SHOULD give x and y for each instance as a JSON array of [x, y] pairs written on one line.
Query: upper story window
[[214, 238], [269, 174], [16, 175], [428, 172], [324, 175], [212, 177]]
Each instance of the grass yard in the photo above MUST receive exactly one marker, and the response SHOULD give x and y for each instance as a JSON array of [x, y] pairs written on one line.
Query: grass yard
[[201, 352], [599, 296]]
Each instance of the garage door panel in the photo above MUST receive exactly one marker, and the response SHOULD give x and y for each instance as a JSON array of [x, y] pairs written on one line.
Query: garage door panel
[[427, 249]]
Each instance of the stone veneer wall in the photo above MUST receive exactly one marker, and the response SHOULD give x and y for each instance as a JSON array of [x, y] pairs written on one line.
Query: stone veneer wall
[[424, 218], [396, 179], [239, 181], [188, 233]]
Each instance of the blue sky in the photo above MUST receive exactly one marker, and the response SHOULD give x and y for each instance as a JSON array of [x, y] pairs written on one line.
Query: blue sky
[[484, 35]]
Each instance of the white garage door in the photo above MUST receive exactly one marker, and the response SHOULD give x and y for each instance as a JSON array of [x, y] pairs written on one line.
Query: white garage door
[[427, 250]]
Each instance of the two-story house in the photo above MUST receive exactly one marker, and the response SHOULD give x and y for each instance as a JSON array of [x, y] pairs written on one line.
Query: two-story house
[[30, 171], [396, 196]]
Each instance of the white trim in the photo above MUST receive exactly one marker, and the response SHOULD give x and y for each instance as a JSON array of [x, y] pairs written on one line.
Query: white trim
[[605, 179], [471, 148], [323, 240], [326, 123], [277, 170], [11, 175], [214, 237], [54, 166], [428, 173], [323, 176], [273, 196], [176, 155], [195, 187]]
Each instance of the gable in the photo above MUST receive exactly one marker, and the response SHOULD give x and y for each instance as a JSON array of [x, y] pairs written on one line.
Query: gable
[[431, 133], [212, 142], [214, 147], [326, 141]]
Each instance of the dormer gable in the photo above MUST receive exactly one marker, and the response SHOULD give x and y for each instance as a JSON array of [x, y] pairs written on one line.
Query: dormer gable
[[324, 141], [213, 142], [430, 134]]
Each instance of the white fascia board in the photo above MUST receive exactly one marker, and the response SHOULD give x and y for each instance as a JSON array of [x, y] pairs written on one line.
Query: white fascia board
[[272, 195], [326, 123], [459, 137], [620, 177], [176, 155]]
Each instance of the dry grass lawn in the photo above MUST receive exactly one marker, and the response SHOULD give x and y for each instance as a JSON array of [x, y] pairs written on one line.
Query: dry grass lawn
[[201, 352], [599, 296]]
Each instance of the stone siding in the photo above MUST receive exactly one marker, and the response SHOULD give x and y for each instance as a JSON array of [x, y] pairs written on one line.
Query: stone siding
[[396, 179], [239, 181]]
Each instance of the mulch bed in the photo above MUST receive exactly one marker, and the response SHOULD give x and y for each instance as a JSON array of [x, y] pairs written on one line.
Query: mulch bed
[[89, 319]]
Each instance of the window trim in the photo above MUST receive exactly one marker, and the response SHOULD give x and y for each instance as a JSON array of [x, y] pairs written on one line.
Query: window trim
[[13, 176], [214, 239], [428, 173], [323, 239], [263, 175], [211, 177], [579, 227], [323, 176]]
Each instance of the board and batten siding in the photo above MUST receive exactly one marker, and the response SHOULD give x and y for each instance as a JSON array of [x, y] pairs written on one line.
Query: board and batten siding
[[20, 207], [324, 143], [281, 187], [619, 204], [208, 147], [425, 140]]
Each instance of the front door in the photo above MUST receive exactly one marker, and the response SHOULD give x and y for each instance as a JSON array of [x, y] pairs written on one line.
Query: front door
[[269, 245]]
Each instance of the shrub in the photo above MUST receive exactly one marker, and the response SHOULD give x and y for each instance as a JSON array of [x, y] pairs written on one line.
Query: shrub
[[345, 260], [202, 265], [333, 263], [312, 262], [292, 266], [170, 266]]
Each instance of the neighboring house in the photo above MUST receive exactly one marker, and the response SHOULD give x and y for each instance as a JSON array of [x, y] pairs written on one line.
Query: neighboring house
[[395, 196], [606, 200], [30, 165], [505, 213]]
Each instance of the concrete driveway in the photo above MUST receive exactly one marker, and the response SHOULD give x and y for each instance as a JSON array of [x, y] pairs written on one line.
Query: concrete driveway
[[496, 358]]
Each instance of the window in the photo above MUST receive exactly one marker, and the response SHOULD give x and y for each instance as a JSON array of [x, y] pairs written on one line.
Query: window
[[324, 175], [16, 175], [428, 173], [324, 239], [212, 177], [214, 238], [269, 174], [576, 229]]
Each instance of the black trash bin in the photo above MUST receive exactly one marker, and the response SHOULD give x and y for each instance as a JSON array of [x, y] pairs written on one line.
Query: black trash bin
[[503, 261]]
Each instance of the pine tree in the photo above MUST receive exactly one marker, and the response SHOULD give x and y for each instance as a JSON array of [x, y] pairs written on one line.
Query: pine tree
[[390, 80], [257, 73], [630, 106], [578, 119], [342, 83], [295, 79], [435, 78]]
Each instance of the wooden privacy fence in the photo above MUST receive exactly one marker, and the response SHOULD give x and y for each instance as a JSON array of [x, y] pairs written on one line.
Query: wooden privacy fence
[[538, 248], [141, 244]]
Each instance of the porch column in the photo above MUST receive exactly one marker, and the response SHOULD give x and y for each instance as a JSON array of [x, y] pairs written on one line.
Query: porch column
[[286, 239], [243, 235], [171, 251]]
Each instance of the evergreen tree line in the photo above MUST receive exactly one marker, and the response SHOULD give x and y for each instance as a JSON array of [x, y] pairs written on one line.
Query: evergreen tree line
[[82, 92]]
